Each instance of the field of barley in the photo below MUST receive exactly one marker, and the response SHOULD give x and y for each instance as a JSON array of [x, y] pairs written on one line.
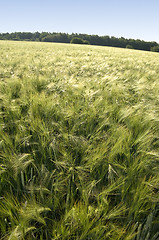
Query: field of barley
[[79, 142]]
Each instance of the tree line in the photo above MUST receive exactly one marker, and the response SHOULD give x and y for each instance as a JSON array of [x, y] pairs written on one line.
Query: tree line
[[83, 38]]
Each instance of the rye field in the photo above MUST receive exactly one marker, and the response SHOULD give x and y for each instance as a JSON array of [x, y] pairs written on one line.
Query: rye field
[[79, 142]]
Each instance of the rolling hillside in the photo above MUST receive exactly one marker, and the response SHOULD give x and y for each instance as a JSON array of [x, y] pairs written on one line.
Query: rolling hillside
[[79, 142]]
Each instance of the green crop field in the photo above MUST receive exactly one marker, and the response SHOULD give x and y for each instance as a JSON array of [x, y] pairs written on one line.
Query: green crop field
[[79, 142]]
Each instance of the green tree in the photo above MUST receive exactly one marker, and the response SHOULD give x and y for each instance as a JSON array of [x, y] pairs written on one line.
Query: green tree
[[129, 46], [77, 40], [85, 42], [155, 48]]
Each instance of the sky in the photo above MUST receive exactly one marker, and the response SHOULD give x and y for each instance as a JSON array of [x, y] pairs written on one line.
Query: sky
[[137, 19]]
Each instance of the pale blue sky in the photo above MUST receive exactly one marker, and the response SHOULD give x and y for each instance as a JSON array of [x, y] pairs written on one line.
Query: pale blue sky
[[126, 18]]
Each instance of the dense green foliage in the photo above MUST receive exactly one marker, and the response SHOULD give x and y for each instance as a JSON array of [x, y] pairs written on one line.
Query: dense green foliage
[[91, 39], [79, 138], [76, 40], [155, 49], [129, 46]]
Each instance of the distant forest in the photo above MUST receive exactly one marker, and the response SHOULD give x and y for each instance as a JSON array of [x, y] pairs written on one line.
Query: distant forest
[[88, 39]]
